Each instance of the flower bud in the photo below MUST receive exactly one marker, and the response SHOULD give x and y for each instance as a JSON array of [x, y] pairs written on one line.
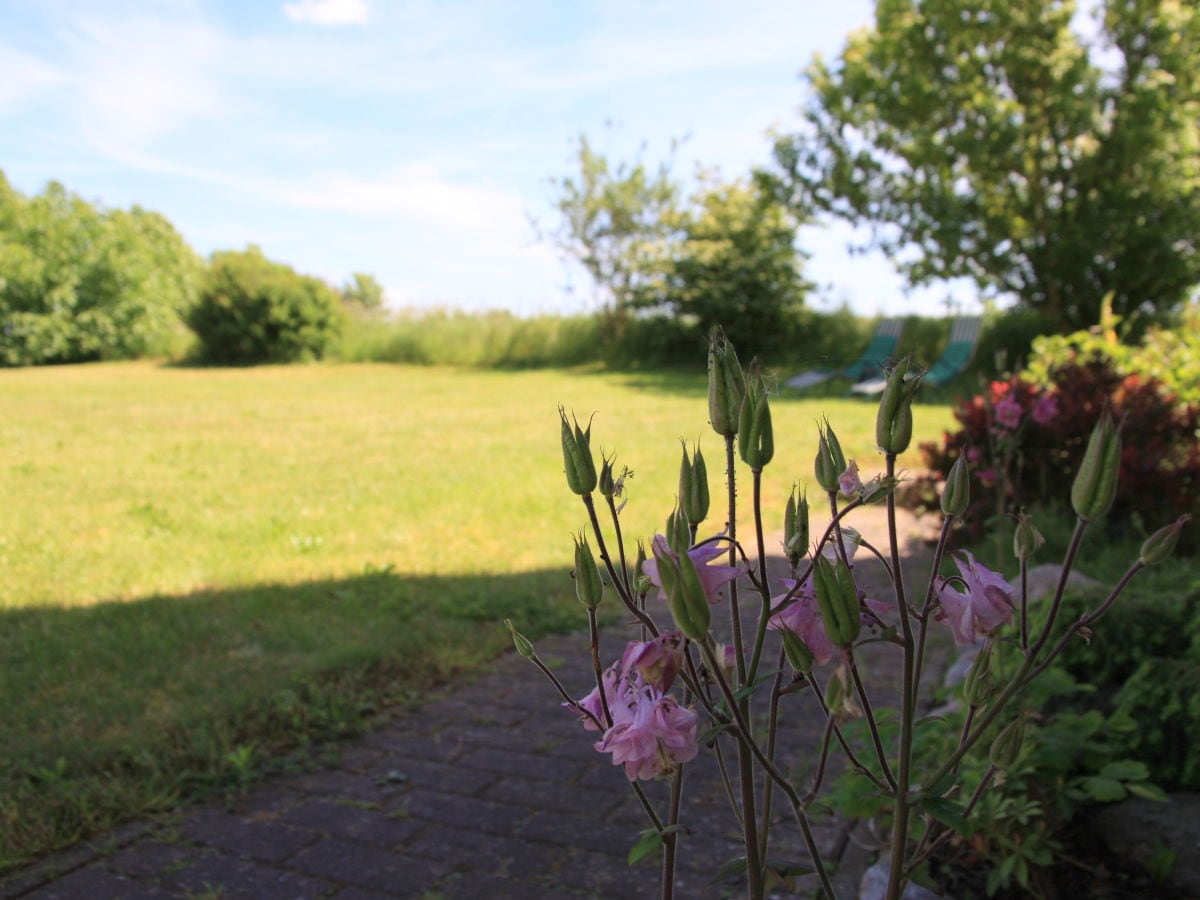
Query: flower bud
[[522, 643], [607, 485], [894, 421], [797, 652], [1161, 544], [830, 462], [756, 437], [839, 696], [589, 588], [1096, 483], [577, 456], [726, 384], [686, 597], [979, 686], [693, 487], [849, 482], [1026, 538], [795, 528], [1006, 748], [956, 495]]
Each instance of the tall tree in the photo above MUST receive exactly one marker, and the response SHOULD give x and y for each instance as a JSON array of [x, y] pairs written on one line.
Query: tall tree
[[724, 254], [987, 139]]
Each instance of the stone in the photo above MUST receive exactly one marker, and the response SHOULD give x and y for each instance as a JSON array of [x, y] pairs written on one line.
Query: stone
[[1139, 832]]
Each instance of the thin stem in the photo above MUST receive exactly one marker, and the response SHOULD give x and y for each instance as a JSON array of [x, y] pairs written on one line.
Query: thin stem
[[927, 849], [1024, 604], [594, 634], [922, 631], [822, 758], [772, 734], [760, 636], [618, 585], [616, 520], [671, 841], [647, 806], [837, 731], [869, 715], [907, 705], [735, 612]]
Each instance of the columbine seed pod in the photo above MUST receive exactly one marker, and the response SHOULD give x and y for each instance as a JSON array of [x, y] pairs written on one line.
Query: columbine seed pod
[[1161, 544], [641, 581], [678, 531], [686, 597], [797, 652], [1026, 538], [979, 686], [756, 437], [894, 421], [837, 600], [726, 384], [577, 456], [830, 462], [1006, 748], [589, 587], [956, 495], [795, 528], [1096, 482], [693, 487], [607, 485], [522, 643]]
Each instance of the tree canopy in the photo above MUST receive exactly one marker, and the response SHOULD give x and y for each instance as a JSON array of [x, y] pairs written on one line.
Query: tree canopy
[[987, 139], [722, 254], [78, 282]]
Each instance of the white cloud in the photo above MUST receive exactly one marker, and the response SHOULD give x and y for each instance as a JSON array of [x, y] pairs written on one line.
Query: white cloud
[[22, 76], [327, 12]]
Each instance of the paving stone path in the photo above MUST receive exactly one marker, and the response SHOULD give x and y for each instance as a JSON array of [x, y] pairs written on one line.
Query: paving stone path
[[489, 789]]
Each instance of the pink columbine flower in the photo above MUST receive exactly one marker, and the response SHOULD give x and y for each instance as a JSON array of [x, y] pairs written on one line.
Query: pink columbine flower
[[849, 481], [986, 605], [1045, 409], [713, 578], [1008, 413], [802, 618], [658, 661], [651, 733], [974, 455]]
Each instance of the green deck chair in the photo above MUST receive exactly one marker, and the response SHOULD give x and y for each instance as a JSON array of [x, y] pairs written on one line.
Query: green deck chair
[[964, 338], [879, 350]]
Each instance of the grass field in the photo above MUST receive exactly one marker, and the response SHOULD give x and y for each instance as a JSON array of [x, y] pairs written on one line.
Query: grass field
[[204, 570]]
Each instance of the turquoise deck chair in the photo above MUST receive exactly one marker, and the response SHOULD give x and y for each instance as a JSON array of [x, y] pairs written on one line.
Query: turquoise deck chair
[[960, 349], [879, 350]]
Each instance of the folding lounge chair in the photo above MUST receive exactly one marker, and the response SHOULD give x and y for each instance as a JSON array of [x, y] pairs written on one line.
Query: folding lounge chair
[[964, 336], [883, 343]]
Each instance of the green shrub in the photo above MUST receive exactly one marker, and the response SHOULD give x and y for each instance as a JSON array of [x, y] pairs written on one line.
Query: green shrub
[[252, 310], [1007, 340]]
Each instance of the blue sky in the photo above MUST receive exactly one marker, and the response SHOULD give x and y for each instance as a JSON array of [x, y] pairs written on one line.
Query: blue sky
[[415, 141]]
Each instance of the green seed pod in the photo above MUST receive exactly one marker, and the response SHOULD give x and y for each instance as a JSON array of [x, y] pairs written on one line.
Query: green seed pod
[[678, 531], [577, 456], [1026, 538], [795, 528], [756, 437], [956, 495], [1096, 482], [726, 384], [589, 587], [1006, 748], [797, 652], [894, 421], [607, 485], [522, 643], [686, 597], [693, 487], [1161, 544], [979, 686], [830, 462], [837, 600]]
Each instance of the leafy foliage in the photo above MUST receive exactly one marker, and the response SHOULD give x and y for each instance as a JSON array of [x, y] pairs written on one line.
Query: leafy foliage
[[252, 310], [980, 140], [363, 292], [724, 256], [80, 283]]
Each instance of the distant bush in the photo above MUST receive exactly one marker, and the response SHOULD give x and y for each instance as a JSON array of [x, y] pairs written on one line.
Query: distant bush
[[252, 310], [1007, 340], [81, 283]]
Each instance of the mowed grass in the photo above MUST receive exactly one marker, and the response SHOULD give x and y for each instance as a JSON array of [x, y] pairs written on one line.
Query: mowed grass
[[204, 571]]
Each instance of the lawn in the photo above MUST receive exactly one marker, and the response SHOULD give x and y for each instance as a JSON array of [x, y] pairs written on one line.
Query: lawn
[[204, 570]]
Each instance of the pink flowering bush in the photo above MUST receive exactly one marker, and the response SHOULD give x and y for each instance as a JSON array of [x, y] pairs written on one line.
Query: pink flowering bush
[[676, 680]]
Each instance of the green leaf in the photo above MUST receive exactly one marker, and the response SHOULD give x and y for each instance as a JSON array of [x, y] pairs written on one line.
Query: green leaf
[[1147, 791], [648, 843], [949, 813], [735, 866], [1125, 770], [1104, 790]]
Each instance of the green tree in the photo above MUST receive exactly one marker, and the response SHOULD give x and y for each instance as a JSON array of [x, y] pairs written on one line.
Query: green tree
[[979, 139], [252, 310], [81, 283], [725, 254], [363, 292]]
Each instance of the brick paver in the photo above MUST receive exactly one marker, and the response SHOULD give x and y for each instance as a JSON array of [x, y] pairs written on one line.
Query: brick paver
[[487, 790]]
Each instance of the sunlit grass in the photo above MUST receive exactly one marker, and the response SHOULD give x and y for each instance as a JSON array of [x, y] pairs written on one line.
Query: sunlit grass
[[197, 565]]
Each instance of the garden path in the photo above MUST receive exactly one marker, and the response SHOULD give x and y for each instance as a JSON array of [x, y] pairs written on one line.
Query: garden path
[[488, 789]]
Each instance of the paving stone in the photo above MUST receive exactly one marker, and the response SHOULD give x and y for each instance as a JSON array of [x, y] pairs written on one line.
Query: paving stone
[[537, 794], [440, 776], [465, 812], [234, 878], [379, 827], [529, 765], [487, 855], [257, 839], [357, 865], [94, 882], [150, 858]]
